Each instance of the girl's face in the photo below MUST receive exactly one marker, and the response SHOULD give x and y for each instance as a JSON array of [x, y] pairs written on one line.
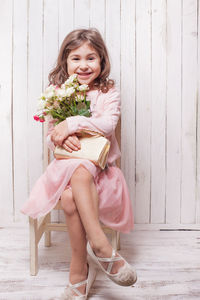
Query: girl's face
[[85, 62]]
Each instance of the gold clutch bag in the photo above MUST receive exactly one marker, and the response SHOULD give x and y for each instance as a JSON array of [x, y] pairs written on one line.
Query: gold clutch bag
[[94, 147]]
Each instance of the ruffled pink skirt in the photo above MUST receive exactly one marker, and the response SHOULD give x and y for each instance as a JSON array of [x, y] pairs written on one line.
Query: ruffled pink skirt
[[115, 208]]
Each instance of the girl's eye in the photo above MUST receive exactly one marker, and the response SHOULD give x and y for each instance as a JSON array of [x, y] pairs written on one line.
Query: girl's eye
[[75, 58], [91, 58]]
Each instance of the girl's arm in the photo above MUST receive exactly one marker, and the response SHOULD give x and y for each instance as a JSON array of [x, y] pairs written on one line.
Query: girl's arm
[[105, 123], [50, 144], [70, 144]]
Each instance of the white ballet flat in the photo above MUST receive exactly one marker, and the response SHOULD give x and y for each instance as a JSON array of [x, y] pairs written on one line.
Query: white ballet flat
[[126, 275], [68, 293]]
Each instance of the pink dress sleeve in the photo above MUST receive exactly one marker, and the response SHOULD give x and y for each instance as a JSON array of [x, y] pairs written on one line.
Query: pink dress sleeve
[[105, 123]]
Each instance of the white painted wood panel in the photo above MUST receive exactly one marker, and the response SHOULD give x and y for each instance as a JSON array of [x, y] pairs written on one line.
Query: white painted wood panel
[[6, 114], [81, 13], [154, 50], [20, 105], [173, 112], [198, 128], [143, 111], [97, 15], [112, 37], [128, 90], [65, 19], [189, 102], [158, 107], [50, 49], [50, 37], [35, 87]]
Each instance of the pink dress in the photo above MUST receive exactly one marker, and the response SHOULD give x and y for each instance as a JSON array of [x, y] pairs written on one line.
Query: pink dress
[[115, 208]]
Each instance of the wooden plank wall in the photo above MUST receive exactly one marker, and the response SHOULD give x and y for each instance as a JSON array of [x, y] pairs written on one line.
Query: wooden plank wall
[[154, 50]]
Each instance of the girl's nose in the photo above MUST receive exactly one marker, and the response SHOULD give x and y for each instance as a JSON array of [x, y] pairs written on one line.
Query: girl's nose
[[83, 65]]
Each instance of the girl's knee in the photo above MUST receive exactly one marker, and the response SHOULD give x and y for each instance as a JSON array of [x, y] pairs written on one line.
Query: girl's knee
[[68, 203], [83, 175]]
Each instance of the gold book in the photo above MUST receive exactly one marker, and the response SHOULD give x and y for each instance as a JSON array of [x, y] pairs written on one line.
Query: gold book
[[93, 147]]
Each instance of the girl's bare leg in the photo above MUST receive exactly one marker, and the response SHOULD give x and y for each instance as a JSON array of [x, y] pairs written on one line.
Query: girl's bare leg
[[77, 235], [86, 199]]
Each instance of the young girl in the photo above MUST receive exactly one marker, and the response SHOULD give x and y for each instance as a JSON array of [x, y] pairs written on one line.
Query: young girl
[[88, 194]]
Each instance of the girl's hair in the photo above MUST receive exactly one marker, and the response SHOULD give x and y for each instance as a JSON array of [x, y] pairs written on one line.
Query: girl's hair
[[74, 40]]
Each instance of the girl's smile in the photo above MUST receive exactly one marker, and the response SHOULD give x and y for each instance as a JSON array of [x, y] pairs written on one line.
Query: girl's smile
[[84, 75], [84, 61]]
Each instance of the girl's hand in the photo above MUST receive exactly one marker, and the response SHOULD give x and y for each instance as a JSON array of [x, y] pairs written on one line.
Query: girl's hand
[[72, 143], [59, 133]]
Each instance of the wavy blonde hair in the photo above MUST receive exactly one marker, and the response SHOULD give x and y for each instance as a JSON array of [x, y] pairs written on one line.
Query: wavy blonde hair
[[74, 40]]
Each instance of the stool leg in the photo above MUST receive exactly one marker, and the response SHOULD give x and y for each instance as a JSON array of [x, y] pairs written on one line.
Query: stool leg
[[33, 246], [114, 239], [47, 235]]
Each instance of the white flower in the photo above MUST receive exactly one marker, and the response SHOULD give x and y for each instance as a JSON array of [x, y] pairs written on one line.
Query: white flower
[[50, 88], [80, 98], [61, 93], [70, 91], [75, 85], [49, 95], [49, 92], [83, 87], [71, 79], [41, 104]]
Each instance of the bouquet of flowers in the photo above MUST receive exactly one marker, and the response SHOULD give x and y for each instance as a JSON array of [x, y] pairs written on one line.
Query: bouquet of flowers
[[65, 101], [70, 100]]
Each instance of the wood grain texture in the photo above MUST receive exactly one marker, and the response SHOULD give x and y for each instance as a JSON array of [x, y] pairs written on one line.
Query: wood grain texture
[[154, 50], [66, 24], [112, 37], [20, 106], [158, 115], [35, 87], [81, 13], [167, 265], [189, 119], [97, 15], [198, 128], [6, 113], [128, 94], [143, 111], [173, 112], [50, 53]]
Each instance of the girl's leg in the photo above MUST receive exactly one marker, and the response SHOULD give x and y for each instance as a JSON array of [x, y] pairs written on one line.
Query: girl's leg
[[77, 235], [86, 199]]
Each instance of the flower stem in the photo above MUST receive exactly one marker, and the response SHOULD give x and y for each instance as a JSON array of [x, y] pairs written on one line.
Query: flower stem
[[84, 96]]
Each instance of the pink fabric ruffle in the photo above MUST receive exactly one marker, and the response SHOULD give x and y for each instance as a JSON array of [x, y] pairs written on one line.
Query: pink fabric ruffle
[[115, 208]]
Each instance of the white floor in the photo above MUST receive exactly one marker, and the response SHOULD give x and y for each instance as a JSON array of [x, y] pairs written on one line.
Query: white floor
[[167, 263]]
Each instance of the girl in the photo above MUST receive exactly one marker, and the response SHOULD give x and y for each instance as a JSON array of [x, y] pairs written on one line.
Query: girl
[[88, 194]]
